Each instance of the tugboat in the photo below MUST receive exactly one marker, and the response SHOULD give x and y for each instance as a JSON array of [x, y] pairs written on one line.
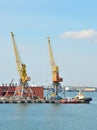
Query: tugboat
[[80, 98]]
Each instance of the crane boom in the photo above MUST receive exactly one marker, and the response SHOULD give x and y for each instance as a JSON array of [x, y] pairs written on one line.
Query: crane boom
[[52, 61], [17, 56], [54, 67]]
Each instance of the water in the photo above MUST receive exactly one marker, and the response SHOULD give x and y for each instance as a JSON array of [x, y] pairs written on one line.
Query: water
[[50, 116]]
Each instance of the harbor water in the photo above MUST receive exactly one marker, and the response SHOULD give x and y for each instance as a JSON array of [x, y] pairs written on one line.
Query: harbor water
[[44, 116]]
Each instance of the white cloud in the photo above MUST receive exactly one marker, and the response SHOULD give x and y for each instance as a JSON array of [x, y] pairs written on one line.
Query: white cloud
[[84, 34]]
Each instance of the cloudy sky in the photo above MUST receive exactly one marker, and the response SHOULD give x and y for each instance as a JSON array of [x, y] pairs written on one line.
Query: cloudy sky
[[72, 28]]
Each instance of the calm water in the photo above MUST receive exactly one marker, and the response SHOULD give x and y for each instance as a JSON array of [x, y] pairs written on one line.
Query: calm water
[[50, 116]]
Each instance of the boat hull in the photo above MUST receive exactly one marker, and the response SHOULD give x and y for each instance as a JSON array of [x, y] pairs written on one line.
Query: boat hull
[[9, 91], [74, 101]]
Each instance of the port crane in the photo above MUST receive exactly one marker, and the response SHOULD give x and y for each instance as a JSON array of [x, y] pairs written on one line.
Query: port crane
[[56, 86], [21, 67]]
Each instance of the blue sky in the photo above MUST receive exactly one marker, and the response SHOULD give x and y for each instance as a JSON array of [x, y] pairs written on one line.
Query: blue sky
[[72, 27]]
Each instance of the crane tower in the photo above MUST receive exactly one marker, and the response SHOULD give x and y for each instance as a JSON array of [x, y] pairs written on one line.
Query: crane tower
[[56, 86]]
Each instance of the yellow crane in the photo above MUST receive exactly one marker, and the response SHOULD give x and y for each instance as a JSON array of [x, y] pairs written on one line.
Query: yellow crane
[[21, 67], [54, 70]]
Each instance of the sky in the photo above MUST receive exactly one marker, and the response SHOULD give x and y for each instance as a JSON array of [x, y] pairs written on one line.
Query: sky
[[72, 28]]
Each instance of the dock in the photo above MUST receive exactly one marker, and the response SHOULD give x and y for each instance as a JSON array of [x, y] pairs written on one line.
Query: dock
[[27, 101]]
